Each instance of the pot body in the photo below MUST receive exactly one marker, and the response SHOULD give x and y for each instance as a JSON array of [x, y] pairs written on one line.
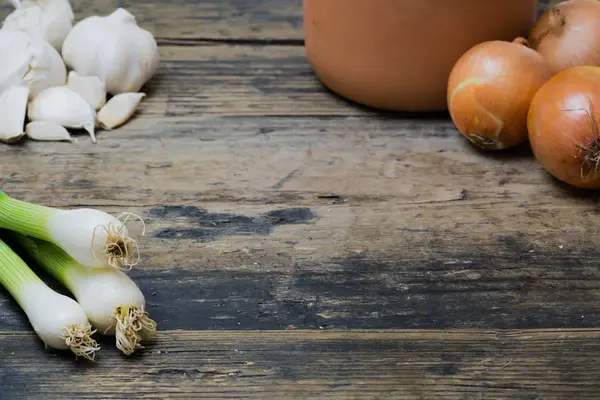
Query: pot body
[[398, 54]]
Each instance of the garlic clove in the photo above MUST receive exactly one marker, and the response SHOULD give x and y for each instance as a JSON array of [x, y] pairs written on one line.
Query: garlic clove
[[90, 88], [119, 109], [13, 106], [48, 131], [16, 56], [47, 68], [64, 107], [114, 48]]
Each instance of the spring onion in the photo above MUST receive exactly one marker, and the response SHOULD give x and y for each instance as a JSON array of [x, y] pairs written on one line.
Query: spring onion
[[112, 301], [92, 237], [59, 321]]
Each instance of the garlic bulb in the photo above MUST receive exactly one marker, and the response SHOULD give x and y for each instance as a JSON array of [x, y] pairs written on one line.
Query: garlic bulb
[[13, 105], [119, 109], [115, 49], [48, 131], [90, 88], [64, 107], [27, 57], [54, 19]]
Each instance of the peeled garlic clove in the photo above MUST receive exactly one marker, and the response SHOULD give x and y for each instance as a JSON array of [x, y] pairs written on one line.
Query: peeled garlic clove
[[90, 88], [53, 19], [119, 109], [13, 106], [49, 131], [64, 107], [115, 49]]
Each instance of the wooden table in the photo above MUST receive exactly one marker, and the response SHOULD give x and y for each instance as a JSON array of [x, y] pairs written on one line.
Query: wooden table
[[300, 246]]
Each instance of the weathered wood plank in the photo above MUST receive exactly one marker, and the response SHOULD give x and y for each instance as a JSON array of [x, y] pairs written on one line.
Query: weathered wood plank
[[275, 160], [376, 264], [201, 20], [435, 233], [240, 80], [317, 365]]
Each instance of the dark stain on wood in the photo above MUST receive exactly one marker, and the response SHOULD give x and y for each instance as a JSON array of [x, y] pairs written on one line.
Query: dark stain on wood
[[208, 226], [362, 292], [443, 369]]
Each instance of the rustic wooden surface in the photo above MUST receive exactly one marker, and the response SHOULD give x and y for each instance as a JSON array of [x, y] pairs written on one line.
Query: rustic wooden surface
[[300, 246]]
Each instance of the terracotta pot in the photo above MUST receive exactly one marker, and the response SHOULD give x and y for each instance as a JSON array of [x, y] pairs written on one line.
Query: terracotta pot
[[398, 54]]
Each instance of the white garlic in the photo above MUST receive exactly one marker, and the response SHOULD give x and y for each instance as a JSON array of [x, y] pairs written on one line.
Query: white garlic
[[64, 107], [13, 106], [119, 109], [27, 57], [48, 131], [90, 88], [47, 69], [16, 56], [53, 18], [115, 49]]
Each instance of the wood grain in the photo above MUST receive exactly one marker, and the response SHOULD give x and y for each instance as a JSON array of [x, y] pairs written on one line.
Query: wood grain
[[261, 21], [318, 365], [275, 160], [239, 81]]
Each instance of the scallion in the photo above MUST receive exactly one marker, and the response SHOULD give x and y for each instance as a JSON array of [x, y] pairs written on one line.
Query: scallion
[[112, 301], [94, 238], [59, 321]]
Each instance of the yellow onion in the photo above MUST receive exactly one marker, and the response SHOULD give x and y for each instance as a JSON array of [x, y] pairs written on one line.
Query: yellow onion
[[563, 126], [568, 34], [490, 89]]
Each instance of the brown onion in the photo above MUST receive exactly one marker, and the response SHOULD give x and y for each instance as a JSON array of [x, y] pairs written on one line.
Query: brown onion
[[563, 126], [490, 89], [568, 34]]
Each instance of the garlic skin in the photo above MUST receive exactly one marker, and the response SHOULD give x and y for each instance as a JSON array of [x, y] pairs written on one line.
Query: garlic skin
[[53, 18], [119, 109], [91, 88], [48, 131], [115, 49], [13, 106], [64, 107]]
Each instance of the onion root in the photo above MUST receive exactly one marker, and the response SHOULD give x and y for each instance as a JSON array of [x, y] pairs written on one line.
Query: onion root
[[133, 325], [590, 153], [80, 341], [120, 249]]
